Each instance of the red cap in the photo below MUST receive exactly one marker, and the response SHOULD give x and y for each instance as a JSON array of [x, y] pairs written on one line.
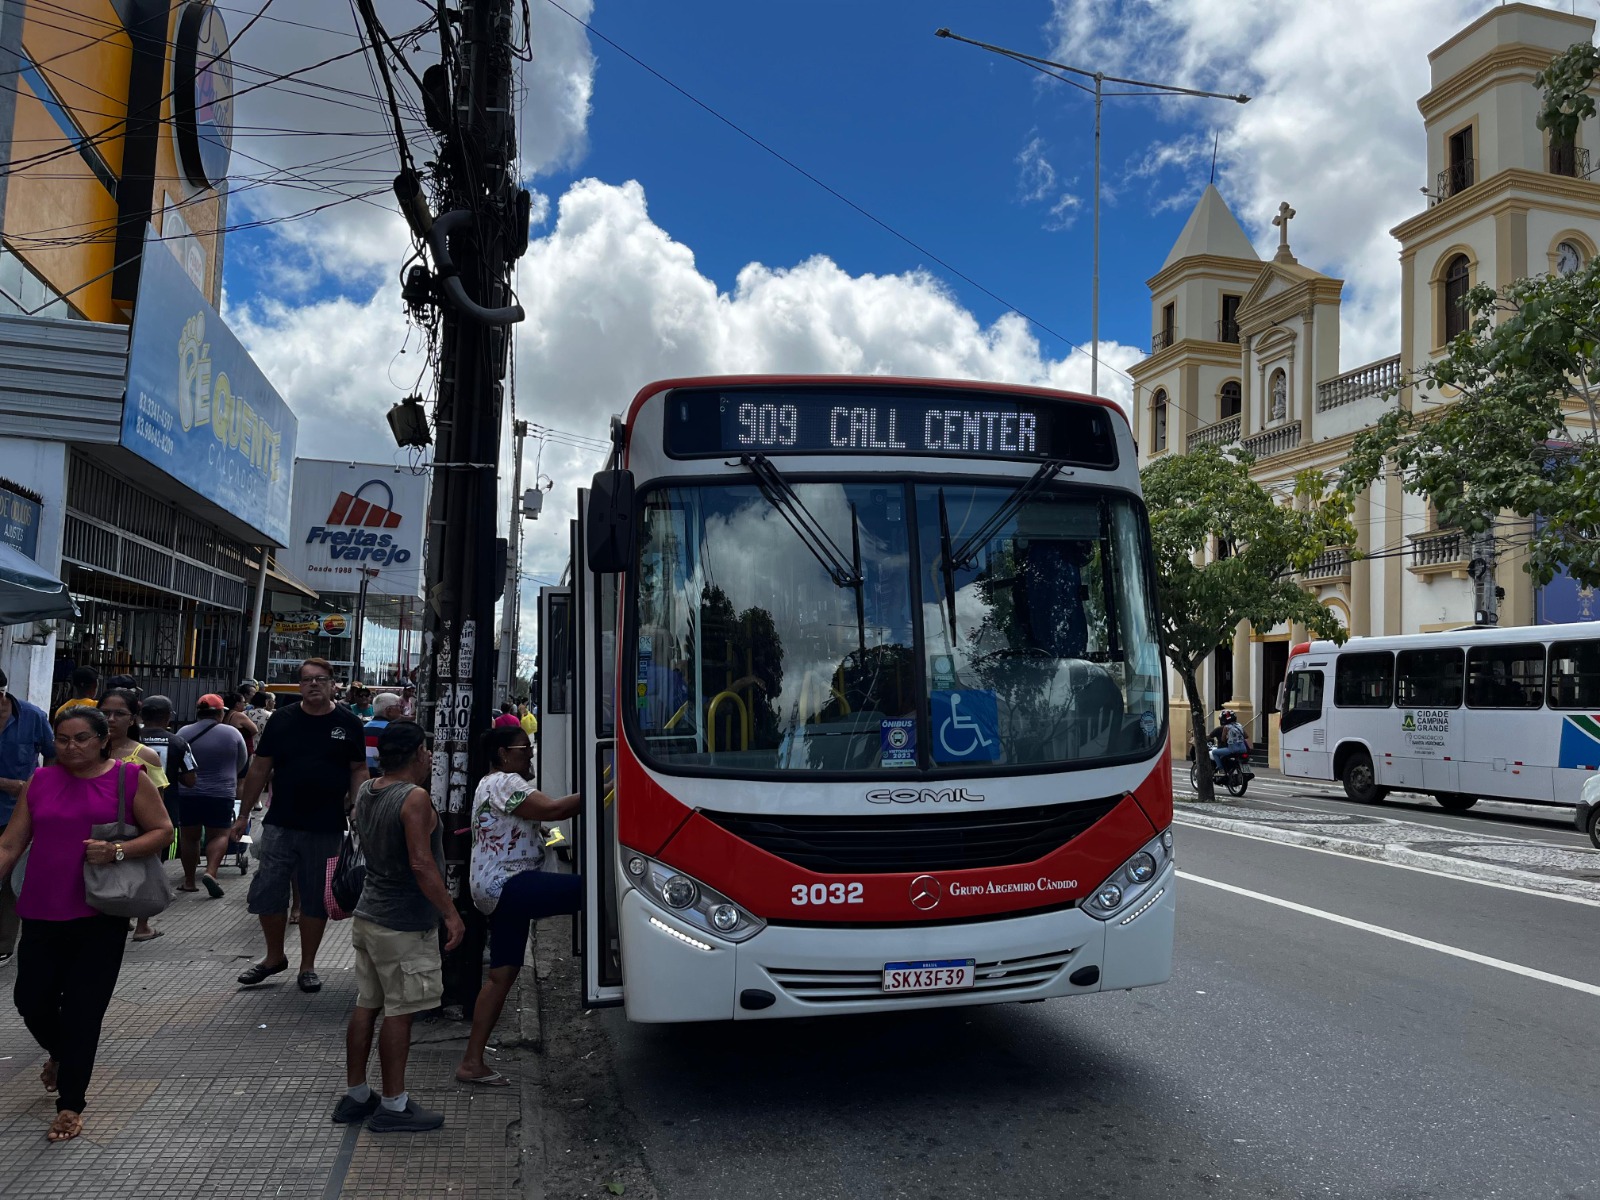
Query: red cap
[[210, 700]]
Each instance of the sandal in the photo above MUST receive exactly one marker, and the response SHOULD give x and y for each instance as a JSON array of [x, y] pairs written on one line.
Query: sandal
[[260, 972], [212, 886], [309, 981], [148, 937], [493, 1079], [185, 888], [65, 1127]]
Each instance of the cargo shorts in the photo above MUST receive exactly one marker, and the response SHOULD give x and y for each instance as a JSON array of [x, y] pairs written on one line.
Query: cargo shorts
[[397, 970]]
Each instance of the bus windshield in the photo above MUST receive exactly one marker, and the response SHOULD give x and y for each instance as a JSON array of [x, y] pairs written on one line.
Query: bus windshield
[[949, 626]]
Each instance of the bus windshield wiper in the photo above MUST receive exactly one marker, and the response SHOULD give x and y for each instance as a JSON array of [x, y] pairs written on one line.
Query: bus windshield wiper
[[843, 571], [967, 553]]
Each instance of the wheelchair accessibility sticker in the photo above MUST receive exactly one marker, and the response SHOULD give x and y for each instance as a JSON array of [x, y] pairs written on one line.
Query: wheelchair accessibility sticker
[[966, 726]]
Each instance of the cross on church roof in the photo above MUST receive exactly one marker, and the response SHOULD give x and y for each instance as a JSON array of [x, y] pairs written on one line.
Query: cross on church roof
[[1285, 215]]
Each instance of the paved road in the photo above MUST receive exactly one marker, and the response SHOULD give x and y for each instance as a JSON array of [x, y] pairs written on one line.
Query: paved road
[[1436, 1044], [1531, 822]]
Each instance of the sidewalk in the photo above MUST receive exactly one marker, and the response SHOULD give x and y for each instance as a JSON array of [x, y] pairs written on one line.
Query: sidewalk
[[204, 1089], [1371, 833]]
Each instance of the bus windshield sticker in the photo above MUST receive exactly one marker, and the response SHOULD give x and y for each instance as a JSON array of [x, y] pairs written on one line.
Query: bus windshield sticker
[[1147, 724], [966, 726], [943, 669], [899, 741]]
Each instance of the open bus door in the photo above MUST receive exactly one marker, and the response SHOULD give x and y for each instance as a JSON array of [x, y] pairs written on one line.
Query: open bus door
[[594, 624], [553, 738]]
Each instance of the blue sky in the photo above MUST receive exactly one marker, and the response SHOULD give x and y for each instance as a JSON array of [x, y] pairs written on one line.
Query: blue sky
[[668, 243]]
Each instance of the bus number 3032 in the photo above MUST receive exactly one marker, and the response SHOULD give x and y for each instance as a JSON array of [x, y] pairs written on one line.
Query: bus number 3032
[[827, 893]]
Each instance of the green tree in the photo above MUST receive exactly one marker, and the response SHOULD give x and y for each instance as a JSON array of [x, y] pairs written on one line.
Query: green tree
[[1513, 429], [1226, 550], [1506, 420]]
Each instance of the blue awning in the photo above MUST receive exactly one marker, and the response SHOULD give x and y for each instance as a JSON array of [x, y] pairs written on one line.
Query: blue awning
[[28, 592]]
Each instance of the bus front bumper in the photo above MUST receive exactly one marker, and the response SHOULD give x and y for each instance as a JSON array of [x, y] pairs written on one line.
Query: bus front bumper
[[678, 972]]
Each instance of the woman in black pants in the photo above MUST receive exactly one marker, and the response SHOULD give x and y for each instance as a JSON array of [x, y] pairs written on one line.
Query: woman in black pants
[[70, 954], [509, 885]]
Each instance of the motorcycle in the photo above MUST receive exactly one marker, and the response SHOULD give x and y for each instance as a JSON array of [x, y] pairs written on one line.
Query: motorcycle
[[1235, 775]]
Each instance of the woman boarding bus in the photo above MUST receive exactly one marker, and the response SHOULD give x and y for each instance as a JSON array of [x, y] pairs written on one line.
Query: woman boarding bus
[[866, 704]]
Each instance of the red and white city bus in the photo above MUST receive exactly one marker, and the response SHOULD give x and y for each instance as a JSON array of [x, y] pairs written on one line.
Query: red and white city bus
[[859, 680]]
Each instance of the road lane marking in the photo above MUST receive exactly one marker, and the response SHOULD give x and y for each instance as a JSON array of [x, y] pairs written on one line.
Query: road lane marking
[[1383, 862], [1500, 964]]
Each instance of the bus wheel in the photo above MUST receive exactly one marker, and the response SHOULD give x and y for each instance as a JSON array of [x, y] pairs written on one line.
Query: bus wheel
[[1454, 801], [1360, 782], [1594, 827]]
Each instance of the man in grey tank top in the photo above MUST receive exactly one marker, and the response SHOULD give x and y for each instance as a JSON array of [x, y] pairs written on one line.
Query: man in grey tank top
[[395, 930]]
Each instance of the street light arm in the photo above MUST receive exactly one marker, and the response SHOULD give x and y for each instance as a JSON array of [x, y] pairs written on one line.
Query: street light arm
[[1168, 88]]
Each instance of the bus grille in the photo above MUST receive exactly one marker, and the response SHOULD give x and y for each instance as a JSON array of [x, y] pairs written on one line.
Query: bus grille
[[824, 987], [880, 845]]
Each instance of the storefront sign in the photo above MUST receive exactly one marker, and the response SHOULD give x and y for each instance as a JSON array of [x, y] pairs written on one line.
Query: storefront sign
[[352, 519], [19, 522], [202, 101], [197, 405], [334, 625]]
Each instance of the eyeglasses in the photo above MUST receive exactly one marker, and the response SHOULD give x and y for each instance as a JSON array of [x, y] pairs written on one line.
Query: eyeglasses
[[520, 746], [315, 678], [76, 739], [116, 714]]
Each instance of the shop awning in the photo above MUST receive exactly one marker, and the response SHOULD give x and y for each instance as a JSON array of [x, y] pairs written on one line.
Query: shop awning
[[28, 592]]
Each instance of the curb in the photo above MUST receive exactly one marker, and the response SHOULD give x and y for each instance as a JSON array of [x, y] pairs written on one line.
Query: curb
[[1402, 855]]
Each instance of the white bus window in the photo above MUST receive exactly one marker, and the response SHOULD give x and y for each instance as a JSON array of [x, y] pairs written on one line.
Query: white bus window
[[1302, 699], [1428, 678], [1575, 675], [1505, 676], [1364, 680]]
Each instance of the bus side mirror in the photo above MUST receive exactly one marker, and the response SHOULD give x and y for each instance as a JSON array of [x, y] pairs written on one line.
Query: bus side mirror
[[609, 528]]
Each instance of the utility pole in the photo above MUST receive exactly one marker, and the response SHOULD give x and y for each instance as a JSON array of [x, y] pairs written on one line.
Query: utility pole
[[1486, 594], [511, 602], [473, 244], [368, 574]]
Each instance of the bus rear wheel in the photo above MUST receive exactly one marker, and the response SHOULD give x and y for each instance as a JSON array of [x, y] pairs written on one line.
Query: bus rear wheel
[[1594, 827], [1454, 801], [1360, 781]]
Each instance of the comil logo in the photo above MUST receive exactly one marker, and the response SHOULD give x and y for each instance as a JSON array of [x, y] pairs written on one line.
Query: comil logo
[[358, 513]]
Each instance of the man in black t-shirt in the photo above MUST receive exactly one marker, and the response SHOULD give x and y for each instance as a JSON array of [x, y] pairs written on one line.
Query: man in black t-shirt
[[315, 755]]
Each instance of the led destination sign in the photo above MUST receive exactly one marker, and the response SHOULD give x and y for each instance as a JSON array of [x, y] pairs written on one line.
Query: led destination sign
[[906, 422]]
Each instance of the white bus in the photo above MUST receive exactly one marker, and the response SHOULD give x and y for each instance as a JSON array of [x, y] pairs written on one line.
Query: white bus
[[1502, 714]]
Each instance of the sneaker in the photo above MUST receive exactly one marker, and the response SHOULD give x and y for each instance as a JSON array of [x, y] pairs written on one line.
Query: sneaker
[[349, 1110], [411, 1119]]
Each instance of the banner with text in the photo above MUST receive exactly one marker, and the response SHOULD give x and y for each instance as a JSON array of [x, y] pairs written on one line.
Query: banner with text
[[351, 518], [197, 405]]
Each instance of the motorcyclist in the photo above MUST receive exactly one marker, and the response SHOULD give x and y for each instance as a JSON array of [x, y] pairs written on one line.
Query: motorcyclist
[[1229, 741]]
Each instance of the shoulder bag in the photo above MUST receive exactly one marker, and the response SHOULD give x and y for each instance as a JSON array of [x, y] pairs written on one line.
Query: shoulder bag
[[134, 887]]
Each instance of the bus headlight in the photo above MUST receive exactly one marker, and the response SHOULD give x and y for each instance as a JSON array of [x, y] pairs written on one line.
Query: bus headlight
[[690, 900], [1125, 889]]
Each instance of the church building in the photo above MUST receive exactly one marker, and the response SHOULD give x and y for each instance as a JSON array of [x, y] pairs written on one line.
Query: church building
[[1246, 352]]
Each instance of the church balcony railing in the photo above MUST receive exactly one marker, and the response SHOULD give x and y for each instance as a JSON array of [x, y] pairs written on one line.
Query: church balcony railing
[[1276, 440], [1374, 379], [1331, 566], [1222, 433], [1439, 552], [1457, 177], [1569, 160], [1162, 340]]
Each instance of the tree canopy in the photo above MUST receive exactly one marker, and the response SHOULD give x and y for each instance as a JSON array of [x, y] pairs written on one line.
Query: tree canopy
[[1226, 550]]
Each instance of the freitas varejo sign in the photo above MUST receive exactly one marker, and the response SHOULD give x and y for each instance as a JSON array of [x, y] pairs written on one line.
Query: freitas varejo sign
[[349, 518]]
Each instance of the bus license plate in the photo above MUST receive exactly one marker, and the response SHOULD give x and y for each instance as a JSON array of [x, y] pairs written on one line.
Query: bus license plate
[[942, 975]]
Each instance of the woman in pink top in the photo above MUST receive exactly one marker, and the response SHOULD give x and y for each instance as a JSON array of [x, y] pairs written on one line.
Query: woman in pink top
[[70, 954]]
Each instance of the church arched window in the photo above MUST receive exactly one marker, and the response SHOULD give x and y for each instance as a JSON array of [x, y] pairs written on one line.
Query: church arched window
[[1158, 421], [1457, 280], [1229, 400]]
